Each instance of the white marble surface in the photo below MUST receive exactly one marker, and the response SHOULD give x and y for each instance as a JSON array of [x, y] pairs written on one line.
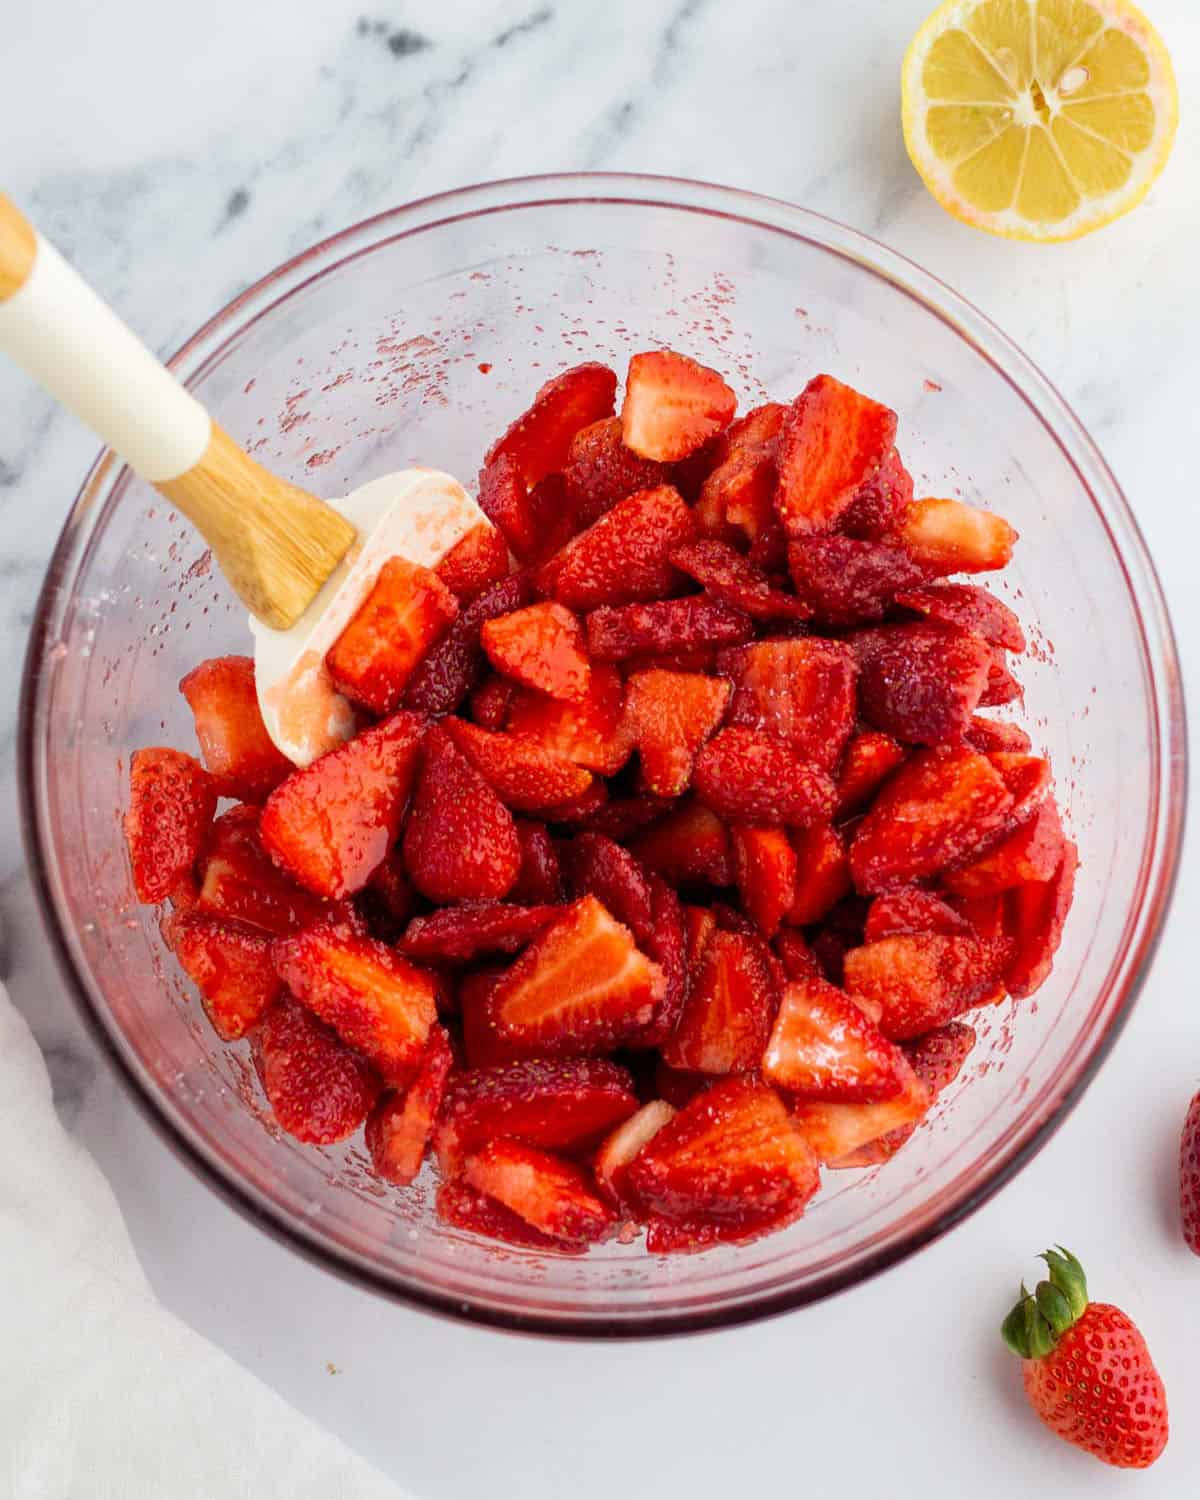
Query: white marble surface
[[176, 153]]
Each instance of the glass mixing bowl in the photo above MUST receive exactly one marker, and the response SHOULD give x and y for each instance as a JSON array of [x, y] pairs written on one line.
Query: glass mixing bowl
[[415, 337]]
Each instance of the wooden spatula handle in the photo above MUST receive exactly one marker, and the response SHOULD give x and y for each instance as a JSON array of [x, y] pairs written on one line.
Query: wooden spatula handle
[[275, 543]]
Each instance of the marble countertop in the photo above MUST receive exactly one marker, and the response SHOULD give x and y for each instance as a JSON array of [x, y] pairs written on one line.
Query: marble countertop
[[174, 160]]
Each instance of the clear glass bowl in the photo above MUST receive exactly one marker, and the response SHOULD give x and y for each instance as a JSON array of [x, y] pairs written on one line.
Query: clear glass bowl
[[415, 337]]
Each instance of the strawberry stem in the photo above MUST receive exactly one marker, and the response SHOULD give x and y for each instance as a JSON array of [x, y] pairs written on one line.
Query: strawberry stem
[[1038, 1321]]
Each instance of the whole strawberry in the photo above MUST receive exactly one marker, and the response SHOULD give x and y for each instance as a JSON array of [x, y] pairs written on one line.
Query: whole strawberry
[[1086, 1368], [1189, 1176]]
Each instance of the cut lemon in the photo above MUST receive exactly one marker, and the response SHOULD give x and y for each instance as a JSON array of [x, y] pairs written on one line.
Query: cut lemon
[[1038, 119]]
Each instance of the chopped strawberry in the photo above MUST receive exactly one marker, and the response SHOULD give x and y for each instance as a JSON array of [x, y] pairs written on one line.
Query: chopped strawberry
[[946, 536], [539, 440], [733, 579], [611, 1164], [842, 581], [824, 1047], [1027, 777], [971, 608], [231, 968], [699, 924], [459, 842], [462, 1207], [690, 846], [879, 504], [554, 1196], [582, 986], [241, 881], [800, 691], [1032, 853], [591, 732], [667, 946], [579, 812], [692, 624], [988, 735], [822, 874], [736, 504], [521, 770], [622, 817], [764, 867], [671, 714], [923, 980], [870, 759], [834, 441], [390, 888], [1035, 917], [474, 563], [597, 866], [238, 752], [393, 629], [834, 1130], [318, 1089], [539, 881], [172, 799], [912, 910], [489, 703], [457, 663], [554, 520], [330, 825], [540, 647], [672, 405], [459, 934], [921, 682], [623, 557], [398, 1128], [1001, 687], [798, 960], [564, 1105], [703, 660], [729, 1009], [504, 498], [483, 1046], [829, 948], [689, 1236], [600, 470], [757, 430], [746, 776]]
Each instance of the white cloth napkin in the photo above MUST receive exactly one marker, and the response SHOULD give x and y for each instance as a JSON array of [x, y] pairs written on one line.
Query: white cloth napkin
[[104, 1395]]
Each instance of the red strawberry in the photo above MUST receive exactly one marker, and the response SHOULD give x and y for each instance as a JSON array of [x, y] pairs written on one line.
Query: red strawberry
[[746, 776], [483, 1046], [622, 817], [462, 1207], [457, 663], [921, 682], [582, 986], [459, 934], [376, 1001], [822, 874], [540, 647], [1035, 917], [505, 499], [1001, 687], [591, 732], [539, 881], [624, 556], [172, 799], [600, 470], [399, 1127], [241, 882], [330, 825], [579, 812], [690, 846], [971, 608], [390, 888], [798, 960], [870, 759], [946, 536], [489, 703], [1189, 1176], [736, 498], [554, 521], [800, 691], [318, 1089], [835, 1130], [540, 438], [1086, 1369], [923, 980], [521, 770], [678, 1088], [667, 946], [1028, 778], [474, 563], [879, 504], [556, 1197], [912, 910], [405, 613], [834, 441], [670, 715], [699, 924], [692, 624], [823, 1047], [988, 735], [564, 1105], [729, 1009], [459, 843], [611, 1165], [842, 581], [733, 579], [596, 866], [937, 810], [231, 968], [237, 750], [1033, 853], [764, 866], [672, 405]]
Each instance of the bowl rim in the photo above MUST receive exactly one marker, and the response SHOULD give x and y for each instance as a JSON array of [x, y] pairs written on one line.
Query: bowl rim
[[1160, 863]]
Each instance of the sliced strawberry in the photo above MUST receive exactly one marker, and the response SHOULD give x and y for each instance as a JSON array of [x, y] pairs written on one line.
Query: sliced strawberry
[[539, 881], [667, 946], [376, 1001], [912, 910], [921, 682], [737, 500], [462, 1207], [746, 776], [459, 842], [834, 441], [399, 1127], [597, 866], [987, 735], [565, 1105], [690, 846], [612, 1160], [591, 731], [1001, 687], [822, 874], [406, 612], [798, 960], [172, 799], [823, 1047], [540, 438], [764, 867], [623, 557], [504, 498], [733, 579], [230, 966], [540, 647], [829, 948], [237, 750], [1027, 777], [870, 759], [582, 986], [946, 536], [474, 563], [241, 881], [330, 825], [835, 1130], [459, 934], [483, 1046], [800, 691], [489, 703], [600, 470], [1033, 853], [842, 581], [971, 608], [457, 663], [985, 916], [579, 812], [622, 817], [319, 1090], [699, 924], [554, 1196], [389, 888], [554, 519], [521, 770], [671, 714], [689, 1236], [879, 504], [922, 980], [640, 630], [756, 431], [937, 810], [729, 1009], [672, 405], [1035, 916]]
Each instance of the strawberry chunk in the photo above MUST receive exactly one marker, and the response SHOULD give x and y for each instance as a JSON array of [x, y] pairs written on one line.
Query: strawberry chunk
[[909, 911], [699, 924], [490, 702], [690, 846], [539, 440], [564, 1105], [969, 607], [879, 504], [834, 441], [735, 580], [746, 776], [390, 890], [579, 812], [242, 883], [462, 1207], [1035, 916], [483, 1046], [318, 1089], [540, 647], [622, 817], [406, 612], [922, 980], [667, 946], [736, 500], [330, 825], [399, 1127], [672, 405], [946, 536], [231, 968], [822, 874], [554, 1196], [611, 1165], [238, 752], [834, 1130], [842, 581], [800, 691], [921, 682], [729, 1009], [458, 934], [764, 867], [591, 731], [671, 714], [600, 470], [582, 986], [376, 1001], [870, 759], [554, 522], [521, 770], [460, 843], [822, 1046], [623, 557], [937, 810], [172, 799], [1033, 853], [596, 866], [1027, 777], [457, 663], [505, 500], [474, 563], [988, 735], [539, 880], [798, 960], [692, 624]]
